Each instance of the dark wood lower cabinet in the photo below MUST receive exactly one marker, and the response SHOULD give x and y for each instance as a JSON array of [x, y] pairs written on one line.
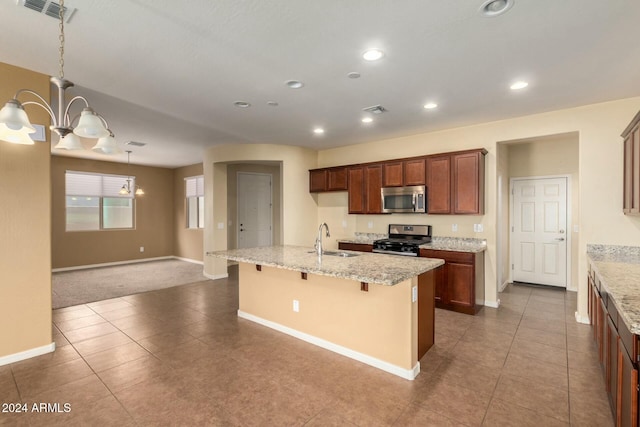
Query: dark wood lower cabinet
[[617, 353], [460, 281], [360, 247]]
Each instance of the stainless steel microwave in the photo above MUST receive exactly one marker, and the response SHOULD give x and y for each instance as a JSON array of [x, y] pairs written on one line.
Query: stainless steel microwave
[[412, 199]]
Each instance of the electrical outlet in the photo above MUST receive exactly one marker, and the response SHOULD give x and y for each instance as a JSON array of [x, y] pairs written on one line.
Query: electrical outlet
[[478, 228], [141, 248], [370, 224], [344, 223], [414, 294], [454, 227], [221, 226], [296, 305]]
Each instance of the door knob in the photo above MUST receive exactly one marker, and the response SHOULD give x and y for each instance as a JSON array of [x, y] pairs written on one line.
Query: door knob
[[560, 239]]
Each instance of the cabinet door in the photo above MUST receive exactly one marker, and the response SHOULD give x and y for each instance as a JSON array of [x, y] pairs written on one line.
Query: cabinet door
[[337, 179], [317, 180], [392, 174], [468, 183], [356, 190], [611, 371], [414, 172], [373, 185], [360, 247], [439, 184], [600, 329], [460, 285], [627, 405], [635, 167]]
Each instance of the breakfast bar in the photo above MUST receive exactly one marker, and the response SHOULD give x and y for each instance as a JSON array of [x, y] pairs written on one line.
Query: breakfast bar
[[378, 309]]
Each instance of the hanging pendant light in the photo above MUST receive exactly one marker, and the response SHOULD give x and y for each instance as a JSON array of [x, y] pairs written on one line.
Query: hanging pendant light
[[126, 187], [16, 128]]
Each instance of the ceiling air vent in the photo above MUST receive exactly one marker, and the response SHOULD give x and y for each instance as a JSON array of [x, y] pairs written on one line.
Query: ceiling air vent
[[135, 144], [376, 109], [48, 7]]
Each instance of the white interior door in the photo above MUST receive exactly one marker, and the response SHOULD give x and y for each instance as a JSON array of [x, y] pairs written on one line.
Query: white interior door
[[539, 231], [254, 210]]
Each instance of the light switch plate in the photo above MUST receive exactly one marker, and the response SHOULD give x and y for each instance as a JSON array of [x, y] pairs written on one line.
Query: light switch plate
[[370, 224], [454, 227]]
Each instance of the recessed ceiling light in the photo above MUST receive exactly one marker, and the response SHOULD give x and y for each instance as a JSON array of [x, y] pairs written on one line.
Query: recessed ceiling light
[[242, 104], [495, 7], [519, 85], [294, 84], [372, 54], [318, 131], [367, 120], [353, 75], [272, 103], [430, 105]]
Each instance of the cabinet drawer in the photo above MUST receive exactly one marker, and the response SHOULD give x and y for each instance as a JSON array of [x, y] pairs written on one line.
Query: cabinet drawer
[[613, 312], [449, 256], [360, 247], [628, 340]]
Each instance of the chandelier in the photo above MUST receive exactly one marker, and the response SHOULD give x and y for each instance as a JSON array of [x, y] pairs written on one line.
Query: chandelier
[[126, 188], [15, 126]]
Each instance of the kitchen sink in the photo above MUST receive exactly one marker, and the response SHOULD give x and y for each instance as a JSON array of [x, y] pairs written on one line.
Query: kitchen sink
[[336, 253]]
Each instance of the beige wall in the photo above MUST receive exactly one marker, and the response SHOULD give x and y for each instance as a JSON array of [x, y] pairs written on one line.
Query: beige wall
[[380, 323], [232, 199], [299, 210], [153, 224], [600, 177], [555, 155], [25, 227], [188, 242]]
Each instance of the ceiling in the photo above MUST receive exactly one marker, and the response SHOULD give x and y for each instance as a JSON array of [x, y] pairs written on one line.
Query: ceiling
[[167, 73]]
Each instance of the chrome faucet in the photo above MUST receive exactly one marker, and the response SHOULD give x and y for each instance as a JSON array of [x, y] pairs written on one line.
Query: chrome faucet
[[318, 245]]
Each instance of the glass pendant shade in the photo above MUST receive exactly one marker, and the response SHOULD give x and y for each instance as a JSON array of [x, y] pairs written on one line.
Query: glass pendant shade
[[139, 191], [107, 145], [124, 190], [69, 142], [14, 124], [90, 125]]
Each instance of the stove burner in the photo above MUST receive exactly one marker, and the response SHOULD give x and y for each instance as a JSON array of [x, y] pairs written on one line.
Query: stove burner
[[407, 243]]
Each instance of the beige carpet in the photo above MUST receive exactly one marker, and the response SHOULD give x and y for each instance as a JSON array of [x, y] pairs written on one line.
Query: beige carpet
[[97, 284]]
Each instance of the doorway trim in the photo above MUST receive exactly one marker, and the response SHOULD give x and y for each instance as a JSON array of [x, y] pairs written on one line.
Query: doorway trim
[[569, 232], [270, 204]]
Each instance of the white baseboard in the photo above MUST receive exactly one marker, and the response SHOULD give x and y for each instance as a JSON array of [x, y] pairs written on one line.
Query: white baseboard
[[193, 261], [504, 285], [27, 354], [492, 304], [582, 319], [109, 264], [408, 374], [215, 276]]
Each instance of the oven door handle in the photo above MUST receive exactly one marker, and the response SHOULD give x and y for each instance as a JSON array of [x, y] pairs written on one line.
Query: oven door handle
[[382, 251]]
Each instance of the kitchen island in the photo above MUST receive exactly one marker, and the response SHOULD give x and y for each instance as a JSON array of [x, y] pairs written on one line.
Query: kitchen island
[[378, 309]]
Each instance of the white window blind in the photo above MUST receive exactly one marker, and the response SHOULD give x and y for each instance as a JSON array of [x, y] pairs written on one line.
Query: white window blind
[[195, 186], [97, 185]]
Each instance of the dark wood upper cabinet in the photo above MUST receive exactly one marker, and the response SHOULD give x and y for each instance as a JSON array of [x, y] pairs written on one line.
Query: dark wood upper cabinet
[[455, 183], [468, 183], [373, 185], [337, 179], [631, 183], [317, 180], [414, 172], [439, 184], [328, 179], [392, 175], [356, 190], [365, 183]]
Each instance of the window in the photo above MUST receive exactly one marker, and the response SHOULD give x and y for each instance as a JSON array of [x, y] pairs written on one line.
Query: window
[[195, 201], [93, 202]]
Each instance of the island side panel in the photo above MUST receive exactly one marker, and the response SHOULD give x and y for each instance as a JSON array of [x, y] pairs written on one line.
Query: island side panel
[[381, 323]]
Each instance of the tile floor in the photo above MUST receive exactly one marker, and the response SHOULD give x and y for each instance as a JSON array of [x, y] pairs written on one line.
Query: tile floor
[[181, 356]]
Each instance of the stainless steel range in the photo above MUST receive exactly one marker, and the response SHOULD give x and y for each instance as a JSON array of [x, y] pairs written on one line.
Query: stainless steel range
[[403, 240]]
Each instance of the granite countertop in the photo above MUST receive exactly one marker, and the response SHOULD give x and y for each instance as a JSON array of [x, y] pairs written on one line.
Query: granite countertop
[[370, 268], [618, 268], [454, 244]]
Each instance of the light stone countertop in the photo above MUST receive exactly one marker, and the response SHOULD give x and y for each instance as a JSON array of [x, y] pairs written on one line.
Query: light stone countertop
[[366, 267], [618, 268]]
